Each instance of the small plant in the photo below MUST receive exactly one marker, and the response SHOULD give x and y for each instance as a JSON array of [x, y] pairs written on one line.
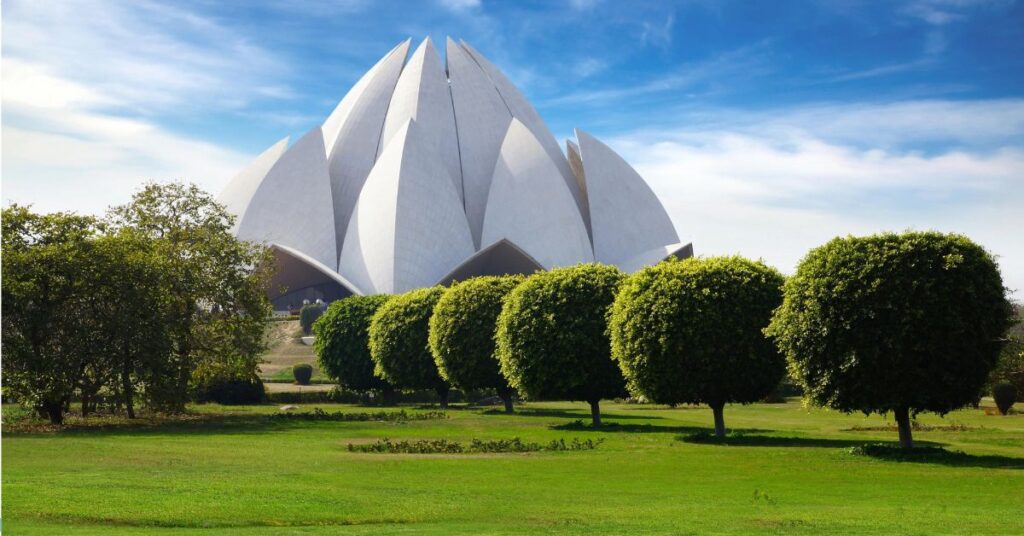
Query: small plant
[[382, 416], [445, 446], [303, 372], [1005, 394]]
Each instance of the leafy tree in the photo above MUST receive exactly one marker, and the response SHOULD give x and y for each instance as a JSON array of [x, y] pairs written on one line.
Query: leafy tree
[[1005, 395], [1010, 367], [45, 330], [308, 315], [398, 342], [904, 323], [691, 332], [462, 334], [342, 343], [552, 340], [215, 288]]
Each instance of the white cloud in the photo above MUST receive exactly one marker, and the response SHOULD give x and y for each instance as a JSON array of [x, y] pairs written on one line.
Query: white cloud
[[459, 5], [762, 192]]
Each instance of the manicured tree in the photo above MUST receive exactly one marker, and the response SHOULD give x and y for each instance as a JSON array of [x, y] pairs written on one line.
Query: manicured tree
[[691, 332], [308, 315], [1005, 395], [462, 334], [552, 340], [342, 343], [398, 342], [904, 323], [303, 373]]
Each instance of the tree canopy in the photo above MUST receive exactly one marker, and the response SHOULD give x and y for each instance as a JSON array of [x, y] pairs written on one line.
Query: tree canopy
[[904, 323], [462, 334], [692, 332], [551, 336], [342, 342], [398, 342]]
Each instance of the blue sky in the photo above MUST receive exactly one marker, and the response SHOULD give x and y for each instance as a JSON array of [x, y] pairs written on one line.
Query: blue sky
[[765, 127]]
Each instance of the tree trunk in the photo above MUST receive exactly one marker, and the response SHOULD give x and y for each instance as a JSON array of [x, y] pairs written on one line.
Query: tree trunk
[[442, 395], [55, 411], [506, 397], [595, 412], [903, 423], [126, 384], [717, 409], [85, 403]]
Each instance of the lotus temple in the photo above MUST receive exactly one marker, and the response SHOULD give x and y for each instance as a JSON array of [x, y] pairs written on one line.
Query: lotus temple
[[428, 172]]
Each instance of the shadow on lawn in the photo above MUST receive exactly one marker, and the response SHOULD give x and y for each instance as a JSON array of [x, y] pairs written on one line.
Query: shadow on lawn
[[935, 455], [569, 414], [615, 427]]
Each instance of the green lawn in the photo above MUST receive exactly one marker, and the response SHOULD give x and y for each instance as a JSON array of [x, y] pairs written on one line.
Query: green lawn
[[791, 471]]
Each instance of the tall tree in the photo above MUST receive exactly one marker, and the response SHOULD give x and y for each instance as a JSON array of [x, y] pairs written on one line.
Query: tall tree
[[899, 323], [552, 339], [46, 331], [692, 332], [215, 288]]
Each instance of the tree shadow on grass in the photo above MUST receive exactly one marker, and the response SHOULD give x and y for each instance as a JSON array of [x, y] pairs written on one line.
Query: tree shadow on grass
[[616, 427], [569, 414], [756, 438], [933, 454], [206, 423]]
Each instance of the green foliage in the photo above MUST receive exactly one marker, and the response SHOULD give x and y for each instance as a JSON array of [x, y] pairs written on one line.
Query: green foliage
[[690, 332], [302, 372], [1005, 395], [398, 341], [342, 342], [446, 446], [893, 322], [215, 289], [1010, 367], [231, 391], [308, 315], [462, 333], [551, 336]]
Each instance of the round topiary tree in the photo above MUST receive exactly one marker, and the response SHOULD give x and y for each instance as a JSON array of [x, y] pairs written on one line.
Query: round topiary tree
[[691, 332], [462, 334], [1005, 395], [398, 342], [308, 315], [551, 336], [893, 322], [303, 372], [342, 344]]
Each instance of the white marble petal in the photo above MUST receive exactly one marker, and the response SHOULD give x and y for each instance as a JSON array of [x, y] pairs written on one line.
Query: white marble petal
[[291, 206], [238, 193], [655, 255], [521, 109], [354, 150], [409, 229], [530, 205], [625, 216], [481, 119], [422, 94]]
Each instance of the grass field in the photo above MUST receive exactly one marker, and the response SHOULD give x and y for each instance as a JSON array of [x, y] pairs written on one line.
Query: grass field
[[239, 471]]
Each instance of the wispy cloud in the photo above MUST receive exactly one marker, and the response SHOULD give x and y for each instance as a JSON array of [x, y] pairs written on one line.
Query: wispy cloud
[[787, 181], [459, 5]]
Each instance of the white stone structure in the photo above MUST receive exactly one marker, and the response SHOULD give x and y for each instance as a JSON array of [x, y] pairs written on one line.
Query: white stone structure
[[427, 173]]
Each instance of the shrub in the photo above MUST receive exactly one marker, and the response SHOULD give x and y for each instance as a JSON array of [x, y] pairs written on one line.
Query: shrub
[[231, 391], [1005, 395], [893, 322], [551, 336], [308, 315], [462, 334], [690, 332], [398, 342], [342, 343], [303, 372]]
